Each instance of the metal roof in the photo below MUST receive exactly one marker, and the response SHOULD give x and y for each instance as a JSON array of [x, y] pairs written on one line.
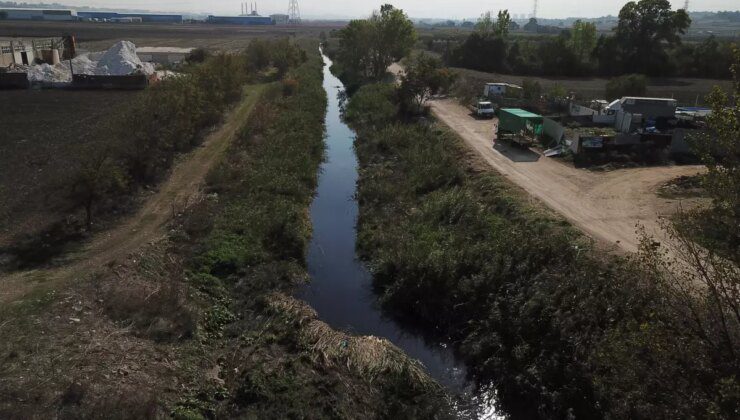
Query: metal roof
[[520, 113]]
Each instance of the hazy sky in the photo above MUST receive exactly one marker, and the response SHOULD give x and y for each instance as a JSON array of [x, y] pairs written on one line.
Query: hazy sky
[[454, 9]]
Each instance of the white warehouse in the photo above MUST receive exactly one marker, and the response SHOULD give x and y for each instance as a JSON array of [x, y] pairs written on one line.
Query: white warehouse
[[38, 14]]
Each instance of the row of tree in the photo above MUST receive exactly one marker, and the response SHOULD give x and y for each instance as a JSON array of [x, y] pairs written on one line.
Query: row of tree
[[647, 40]]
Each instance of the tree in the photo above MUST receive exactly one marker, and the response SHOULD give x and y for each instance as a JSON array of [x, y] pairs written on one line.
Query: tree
[[485, 25], [479, 52], [719, 150], [503, 24], [583, 39], [97, 177], [368, 46], [628, 85], [425, 76], [355, 45], [394, 37], [644, 31]]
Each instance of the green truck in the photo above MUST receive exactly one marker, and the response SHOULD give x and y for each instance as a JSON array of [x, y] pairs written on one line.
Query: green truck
[[519, 126]]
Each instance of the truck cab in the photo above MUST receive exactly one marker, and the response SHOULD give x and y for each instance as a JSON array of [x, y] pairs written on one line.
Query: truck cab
[[483, 109]]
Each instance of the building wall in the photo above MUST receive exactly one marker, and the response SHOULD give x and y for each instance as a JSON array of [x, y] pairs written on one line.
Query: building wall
[[241, 20], [40, 14], [145, 17]]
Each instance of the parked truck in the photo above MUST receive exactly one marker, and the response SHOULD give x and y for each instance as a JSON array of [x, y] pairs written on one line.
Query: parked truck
[[483, 109]]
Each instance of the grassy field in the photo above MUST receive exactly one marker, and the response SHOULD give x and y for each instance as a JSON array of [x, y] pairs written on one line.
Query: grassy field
[[43, 133]]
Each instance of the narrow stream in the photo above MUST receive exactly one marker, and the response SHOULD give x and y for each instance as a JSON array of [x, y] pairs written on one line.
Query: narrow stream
[[340, 288]]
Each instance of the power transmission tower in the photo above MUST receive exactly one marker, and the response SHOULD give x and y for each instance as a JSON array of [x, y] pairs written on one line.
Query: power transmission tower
[[686, 6], [294, 14], [534, 11]]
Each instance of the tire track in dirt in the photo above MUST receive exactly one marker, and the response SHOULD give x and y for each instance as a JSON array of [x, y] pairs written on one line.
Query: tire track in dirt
[[148, 224], [607, 206]]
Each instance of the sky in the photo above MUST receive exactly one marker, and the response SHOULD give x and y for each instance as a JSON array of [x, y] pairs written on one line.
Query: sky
[[450, 9]]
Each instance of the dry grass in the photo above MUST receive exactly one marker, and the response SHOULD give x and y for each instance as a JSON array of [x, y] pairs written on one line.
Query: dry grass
[[96, 350], [368, 356]]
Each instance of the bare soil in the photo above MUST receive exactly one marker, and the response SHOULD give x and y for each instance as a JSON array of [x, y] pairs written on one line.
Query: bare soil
[[148, 224], [97, 36], [608, 206], [43, 133]]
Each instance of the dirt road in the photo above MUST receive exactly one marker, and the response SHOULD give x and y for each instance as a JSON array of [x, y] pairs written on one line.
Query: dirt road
[[607, 206], [148, 224]]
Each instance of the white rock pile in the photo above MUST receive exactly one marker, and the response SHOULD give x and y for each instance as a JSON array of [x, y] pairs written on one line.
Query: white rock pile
[[119, 60]]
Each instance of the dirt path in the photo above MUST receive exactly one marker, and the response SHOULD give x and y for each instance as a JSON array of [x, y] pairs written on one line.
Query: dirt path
[[148, 224], [607, 206]]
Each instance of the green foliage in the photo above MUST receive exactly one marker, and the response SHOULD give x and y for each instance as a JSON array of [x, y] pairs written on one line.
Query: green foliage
[[367, 47], [531, 90], [372, 106], [264, 220], [628, 85], [719, 150], [481, 51], [485, 25], [560, 330], [424, 77], [645, 28], [198, 55], [583, 39]]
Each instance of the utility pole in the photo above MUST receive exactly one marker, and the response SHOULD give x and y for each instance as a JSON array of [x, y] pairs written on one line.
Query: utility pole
[[294, 14]]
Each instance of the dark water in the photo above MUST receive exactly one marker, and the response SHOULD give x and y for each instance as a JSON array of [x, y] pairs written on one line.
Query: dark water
[[340, 288]]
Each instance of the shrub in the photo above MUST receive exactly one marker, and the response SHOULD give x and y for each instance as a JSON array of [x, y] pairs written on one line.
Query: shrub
[[629, 85], [198, 55]]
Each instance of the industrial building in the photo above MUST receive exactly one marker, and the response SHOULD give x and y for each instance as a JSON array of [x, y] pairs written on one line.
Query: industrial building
[[241, 20], [130, 17], [27, 50], [280, 19], [38, 14]]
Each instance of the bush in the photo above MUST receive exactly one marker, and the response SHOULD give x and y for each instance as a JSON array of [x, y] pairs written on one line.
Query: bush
[[198, 55], [629, 85], [560, 330]]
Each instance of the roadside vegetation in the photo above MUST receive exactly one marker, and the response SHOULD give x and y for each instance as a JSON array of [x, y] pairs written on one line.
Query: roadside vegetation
[[545, 319]]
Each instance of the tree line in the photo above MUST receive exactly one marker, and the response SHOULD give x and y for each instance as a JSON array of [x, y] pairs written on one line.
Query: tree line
[[647, 40]]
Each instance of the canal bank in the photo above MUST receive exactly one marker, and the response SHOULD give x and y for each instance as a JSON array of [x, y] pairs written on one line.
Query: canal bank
[[341, 286]]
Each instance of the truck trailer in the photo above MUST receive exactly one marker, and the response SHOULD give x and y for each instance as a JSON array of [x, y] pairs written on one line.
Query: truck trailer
[[519, 126]]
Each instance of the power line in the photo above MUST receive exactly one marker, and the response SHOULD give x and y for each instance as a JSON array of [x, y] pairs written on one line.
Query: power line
[[294, 14]]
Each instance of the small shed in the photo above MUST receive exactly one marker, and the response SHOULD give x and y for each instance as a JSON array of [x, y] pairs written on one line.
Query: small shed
[[515, 120], [498, 89]]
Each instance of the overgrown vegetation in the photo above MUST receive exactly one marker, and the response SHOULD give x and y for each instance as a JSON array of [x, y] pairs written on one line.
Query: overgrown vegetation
[[283, 362], [647, 40], [558, 330], [719, 149]]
